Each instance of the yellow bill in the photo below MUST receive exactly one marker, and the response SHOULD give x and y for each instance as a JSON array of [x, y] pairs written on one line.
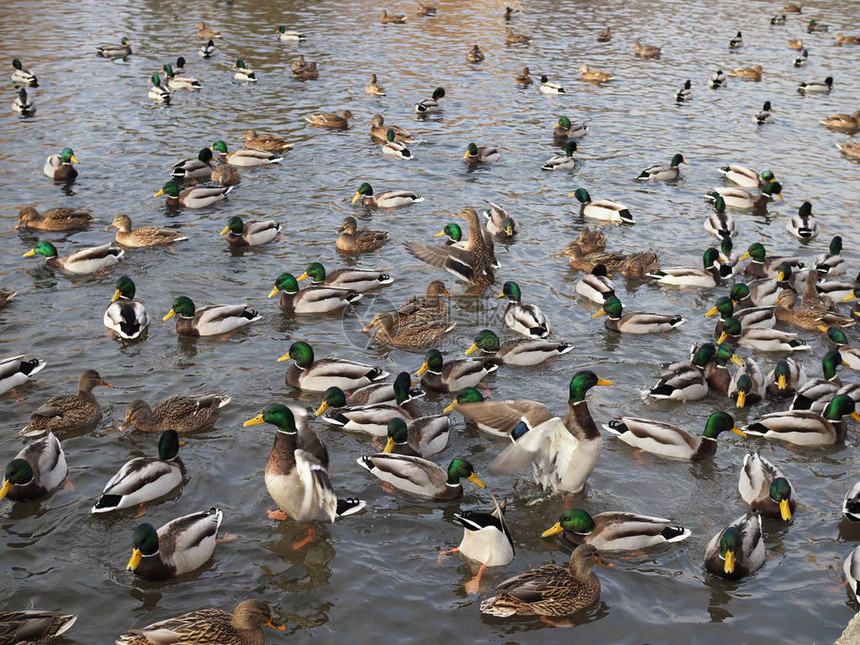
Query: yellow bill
[[424, 367], [745, 256], [739, 432], [736, 360], [356, 198], [257, 420], [302, 277], [712, 312], [599, 313], [471, 350], [552, 530], [451, 407], [29, 253], [323, 407], [159, 193], [729, 564], [389, 445], [785, 510], [476, 481], [722, 338], [273, 292], [7, 486], [116, 296], [134, 560], [74, 159], [170, 314], [225, 231], [603, 381], [742, 399], [285, 357]]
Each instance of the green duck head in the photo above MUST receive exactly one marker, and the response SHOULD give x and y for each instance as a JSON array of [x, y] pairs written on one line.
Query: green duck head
[[835, 245], [511, 290], [836, 335], [168, 70], [333, 397], [582, 195], [18, 473], [220, 147], [731, 328], [315, 271], [569, 148], [155, 79], [564, 122], [738, 292], [744, 386], [438, 93], [719, 204], [719, 422], [486, 341], [285, 282], [365, 190], [724, 306], [783, 272], [235, 225], [433, 362], [756, 251], [278, 415], [574, 520], [168, 445], [773, 189], [730, 546], [205, 155], [830, 362], [240, 64], [710, 258], [453, 231], [766, 176], [398, 434], [301, 353], [466, 395], [782, 374], [581, 382], [145, 543], [677, 160], [839, 407], [42, 248], [460, 468], [67, 156], [171, 189], [704, 354], [471, 151], [17, 64], [124, 289], [182, 307], [180, 62], [403, 390], [726, 353], [612, 307], [780, 492]]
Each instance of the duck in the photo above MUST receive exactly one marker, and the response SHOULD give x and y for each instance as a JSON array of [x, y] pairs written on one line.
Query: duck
[[59, 167], [54, 219], [807, 317], [158, 92], [443, 376], [395, 148], [842, 121], [498, 418], [752, 73], [850, 149], [562, 162], [35, 472], [6, 297], [34, 625], [144, 479], [486, 539], [522, 351], [185, 414], [850, 355], [793, 8], [597, 286], [244, 157], [846, 40], [243, 73], [21, 76], [23, 105], [795, 43], [241, 234], [481, 154], [143, 236], [330, 120], [374, 87], [207, 50], [766, 114], [308, 72], [371, 419], [685, 380], [500, 226], [353, 240], [195, 197], [285, 35], [421, 477], [379, 131], [594, 75], [602, 209], [123, 50], [359, 280], [805, 427], [566, 129], [419, 437], [802, 60], [68, 412], [527, 320], [196, 168], [80, 262], [524, 77], [396, 19], [816, 87], [718, 79], [746, 177], [761, 317], [242, 627], [475, 55], [667, 440], [813, 26], [125, 316], [17, 370], [399, 331], [204, 32], [268, 142], [851, 504], [616, 530], [428, 307], [549, 590], [663, 173], [765, 489], [707, 277], [181, 546], [763, 340], [175, 82], [747, 386], [720, 224], [211, 320], [764, 266], [604, 36], [179, 67], [400, 391], [814, 394], [312, 375], [778, 19], [313, 300], [646, 51], [425, 10], [431, 105], [385, 199], [737, 41], [685, 93], [743, 199], [803, 225], [784, 379], [513, 38], [760, 293], [548, 87], [637, 322], [851, 571], [738, 550]]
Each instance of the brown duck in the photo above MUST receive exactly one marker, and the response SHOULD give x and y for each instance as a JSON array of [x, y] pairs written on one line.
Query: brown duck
[[68, 412], [53, 219], [180, 413]]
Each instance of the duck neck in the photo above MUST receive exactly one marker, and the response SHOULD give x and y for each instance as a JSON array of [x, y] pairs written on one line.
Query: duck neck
[[579, 422], [707, 447]]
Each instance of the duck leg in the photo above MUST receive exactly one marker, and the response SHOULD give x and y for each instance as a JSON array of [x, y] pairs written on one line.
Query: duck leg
[[310, 537], [473, 586], [277, 514]]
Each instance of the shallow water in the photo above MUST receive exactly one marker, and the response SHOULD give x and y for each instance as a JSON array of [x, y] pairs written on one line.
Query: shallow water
[[376, 576]]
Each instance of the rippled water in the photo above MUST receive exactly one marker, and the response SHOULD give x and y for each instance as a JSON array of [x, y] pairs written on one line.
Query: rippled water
[[376, 576]]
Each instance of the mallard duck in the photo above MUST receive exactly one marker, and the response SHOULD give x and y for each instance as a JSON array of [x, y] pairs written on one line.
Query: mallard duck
[[396, 19], [399, 391], [431, 105], [379, 131], [68, 412], [524, 77], [850, 149], [747, 386], [386, 199], [158, 92], [851, 504], [847, 40], [720, 223], [527, 320], [210, 320], [369, 419], [738, 550], [34, 627], [522, 351], [425, 10], [330, 120], [761, 317], [421, 477], [816, 87], [597, 285], [59, 167], [307, 73], [752, 73], [401, 331], [241, 234], [616, 531], [17, 370], [486, 539], [184, 414], [175, 82], [351, 240], [395, 148], [286, 36], [594, 75], [6, 297], [759, 293], [746, 177], [850, 355], [225, 175], [793, 8], [23, 105], [763, 340], [671, 441], [795, 43], [243, 73], [803, 225], [807, 317], [765, 489], [737, 41], [419, 437], [549, 590], [267, 142], [83, 261], [122, 50], [244, 157], [299, 64], [500, 225], [805, 427], [663, 173], [125, 316], [313, 300], [204, 32], [741, 198], [481, 154], [196, 197], [497, 418], [813, 26], [707, 277], [562, 162], [22, 76], [475, 55], [646, 51], [601, 209], [851, 571], [53, 219], [374, 87], [181, 546], [778, 19], [786, 376], [716, 372], [718, 79], [637, 322], [765, 116], [197, 168], [814, 394], [513, 38], [830, 263], [37, 470], [354, 279], [143, 236], [144, 479], [842, 121], [685, 381], [318, 375], [547, 87], [685, 93], [207, 50], [604, 36], [566, 129], [802, 60], [439, 375], [242, 627]]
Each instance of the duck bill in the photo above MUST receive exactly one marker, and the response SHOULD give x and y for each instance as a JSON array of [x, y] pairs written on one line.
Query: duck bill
[[781, 198], [782, 382], [509, 231], [739, 432], [225, 231], [257, 420], [712, 312], [450, 407], [737, 361], [389, 445], [552, 530], [134, 560], [722, 338], [116, 296], [471, 350], [850, 296], [855, 416], [7, 486], [356, 197], [476, 481], [170, 314], [421, 370], [603, 381], [729, 564], [104, 383], [785, 510], [29, 253], [742, 399], [467, 155], [824, 328], [572, 195], [303, 276], [159, 193], [599, 313], [745, 256], [275, 625], [501, 295], [323, 407], [285, 357], [439, 234], [273, 292], [74, 159]]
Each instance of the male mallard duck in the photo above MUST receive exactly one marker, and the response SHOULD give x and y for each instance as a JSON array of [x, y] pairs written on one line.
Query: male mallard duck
[[330, 120], [805, 427], [815, 393], [594, 75], [778, 19], [115, 51], [685, 93], [524, 77], [181, 413], [386, 199], [637, 322], [562, 162], [395, 148], [527, 320], [243, 73], [601, 209], [738, 550], [59, 167], [746, 177], [513, 38], [68, 412], [371, 418], [764, 266], [486, 539], [547, 87], [400, 331], [752, 73], [210, 320], [481, 154], [318, 375], [125, 316], [716, 372], [500, 226], [685, 381], [355, 279], [181, 546], [646, 51], [737, 41], [663, 173], [196, 168], [22, 76], [242, 627], [225, 175], [158, 92], [351, 240], [240, 234], [616, 531], [803, 225], [53, 219], [763, 340], [17, 370], [765, 489], [421, 477], [207, 50], [83, 261], [244, 157], [394, 19], [718, 79], [267, 142], [431, 105], [604, 36], [498, 418], [33, 627], [747, 386], [475, 55], [813, 26], [313, 300], [143, 236], [37, 470], [850, 355], [175, 82], [379, 131], [196, 197], [707, 277], [439, 375], [549, 590], [720, 223], [420, 437], [847, 40], [144, 479], [740, 198], [374, 87], [566, 129], [23, 105], [802, 60], [851, 504], [830, 263], [521, 351], [204, 32], [786, 376], [816, 87], [285, 35], [671, 441], [597, 285], [399, 391], [308, 72], [765, 116]]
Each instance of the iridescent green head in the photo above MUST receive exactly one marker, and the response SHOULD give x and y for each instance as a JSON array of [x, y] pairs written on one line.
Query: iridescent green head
[[145, 539], [613, 308], [581, 382], [738, 292], [766, 176], [730, 546], [168, 70], [155, 79], [677, 160], [564, 122], [398, 431], [18, 472], [205, 155], [486, 341], [839, 407], [67, 155], [433, 362], [511, 290], [829, 362], [402, 387], [315, 271], [182, 307], [718, 423], [466, 395], [171, 189], [704, 354], [168, 445], [453, 231], [285, 282], [577, 520], [710, 258], [719, 204], [772, 189], [219, 146], [438, 93], [756, 251], [17, 64], [235, 225], [569, 148], [334, 397], [724, 306], [124, 289], [782, 374], [278, 415], [301, 353], [837, 336], [45, 249], [582, 195], [460, 468], [835, 245], [471, 150], [724, 354], [732, 327], [240, 64], [780, 492]]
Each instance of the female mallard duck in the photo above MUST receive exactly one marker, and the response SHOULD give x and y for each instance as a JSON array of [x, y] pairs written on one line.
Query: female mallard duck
[[310, 73], [816, 87], [851, 504], [752, 73], [181, 413], [313, 300], [37, 470], [738, 550], [395, 148], [83, 261], [374, 87], [439, 375], [210, 320], [59, 167], [225, 175], [122, 50], [369, 419], [197, 168], [718, 79], [597, 285], [783, 381], [803, 225], [242, 627], [740, 198], [720, 223], [125, 316], [601, 209], [671, 441], [548, 87], [486, 539], [765, 489], [318, 375], [23, 105], [240, 234], [646, 51], [285, 35], [521, 351], [737, 41], [685, 93], [22, 76], [143, 236], [562, 162], [68, 412], [421, 477], [807, 317], [565, 129], [330, 120], [842, 121], [815, 393], [267, 142], [763, 340], [355, 279], [17, 370], [243, 73], [299, 64], [685, 381], [158, 92], [53, 219], [747, 386], [475, 55], [244, 157], [663, 173], [524, 77], [795, 43], [420, 437], [616, 531], [204, 32], [765, 116], [196, 197], [430, 307], [805, 427], [513, 38], [6, 297], [847, 40], [175, 82], [351, 240], [386, 199], [394, 19], [144, 479], [481, 154], [706, 278], [604, 36], [527, 320], [181, 546], [431, 105], [34, 627], [207, 50], [549, 590], [594, 75], [379, 131], [401, 331], [746, 177], [425, 10], [637, 322]]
